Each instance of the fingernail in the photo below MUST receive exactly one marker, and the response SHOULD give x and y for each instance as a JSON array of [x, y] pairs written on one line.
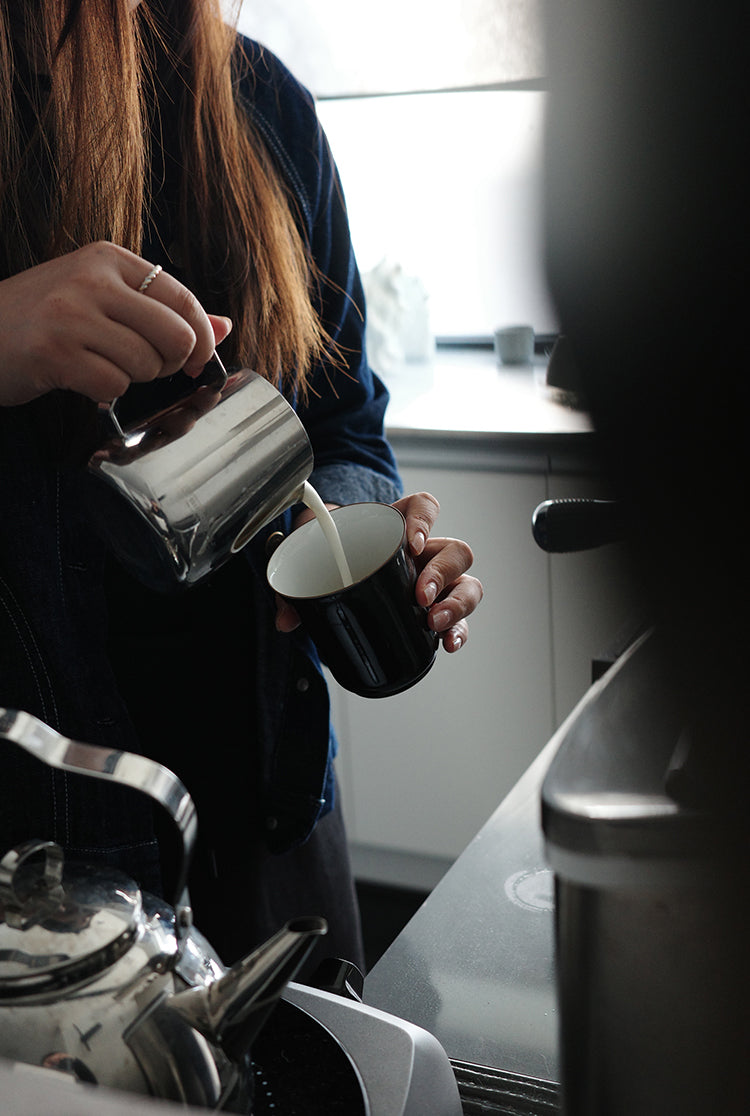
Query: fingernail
[[430, 592], [418, 542], [441, 621]]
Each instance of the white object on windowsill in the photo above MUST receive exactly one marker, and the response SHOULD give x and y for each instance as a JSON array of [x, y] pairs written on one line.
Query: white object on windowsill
[[398, 318]]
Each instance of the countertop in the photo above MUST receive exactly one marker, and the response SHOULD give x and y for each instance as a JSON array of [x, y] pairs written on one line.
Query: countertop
[[466, 392], [474, 966]]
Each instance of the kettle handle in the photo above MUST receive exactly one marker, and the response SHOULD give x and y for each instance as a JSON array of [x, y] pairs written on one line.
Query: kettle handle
[[125, 768]]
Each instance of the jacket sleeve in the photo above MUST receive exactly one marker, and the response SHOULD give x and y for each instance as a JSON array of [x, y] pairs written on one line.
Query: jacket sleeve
[[344, 412]]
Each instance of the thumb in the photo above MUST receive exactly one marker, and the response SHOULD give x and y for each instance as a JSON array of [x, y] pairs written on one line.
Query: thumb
[[221, 326], [286, 616]]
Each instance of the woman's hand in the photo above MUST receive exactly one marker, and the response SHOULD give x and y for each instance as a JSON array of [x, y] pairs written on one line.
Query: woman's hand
[[80, 322], [443, 585]]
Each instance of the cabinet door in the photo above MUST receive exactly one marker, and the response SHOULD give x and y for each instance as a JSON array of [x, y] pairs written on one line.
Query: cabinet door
[[422, 771]]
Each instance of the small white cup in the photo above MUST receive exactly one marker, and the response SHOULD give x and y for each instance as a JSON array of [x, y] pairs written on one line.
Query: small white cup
[[515, 344]]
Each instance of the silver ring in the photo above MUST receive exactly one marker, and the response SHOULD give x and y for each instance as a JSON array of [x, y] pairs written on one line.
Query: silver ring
[[150, 277]]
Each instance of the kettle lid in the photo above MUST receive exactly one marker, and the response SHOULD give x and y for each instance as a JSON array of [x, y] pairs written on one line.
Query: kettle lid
[[62, 924]]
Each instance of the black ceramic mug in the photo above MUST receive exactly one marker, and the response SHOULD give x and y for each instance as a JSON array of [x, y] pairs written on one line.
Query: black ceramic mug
[[371, 634]]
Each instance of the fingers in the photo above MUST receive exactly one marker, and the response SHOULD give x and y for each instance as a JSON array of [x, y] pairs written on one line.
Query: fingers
[[447, 590], [441, 562], [443, 586], [168, 316], [97, 378], [455, 637], [420, 511], [128, 353], [447, 616], [80, 322]]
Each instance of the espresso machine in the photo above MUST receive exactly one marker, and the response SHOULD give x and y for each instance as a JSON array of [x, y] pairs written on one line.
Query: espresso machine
[[645, 807]]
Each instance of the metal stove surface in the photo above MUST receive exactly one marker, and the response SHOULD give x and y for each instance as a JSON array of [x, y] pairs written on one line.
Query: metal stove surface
[[402, 1069], [318, 1054], [300, 1069]]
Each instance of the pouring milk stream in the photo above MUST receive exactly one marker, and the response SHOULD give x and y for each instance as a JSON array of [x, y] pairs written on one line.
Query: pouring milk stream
[[313, 501]]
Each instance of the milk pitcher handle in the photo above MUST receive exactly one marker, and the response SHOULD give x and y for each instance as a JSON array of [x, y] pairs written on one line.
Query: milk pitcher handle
[[113, 414], [125, 768]]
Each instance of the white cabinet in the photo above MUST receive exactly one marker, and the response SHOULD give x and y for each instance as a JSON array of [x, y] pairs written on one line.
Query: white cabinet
[[422, 771]]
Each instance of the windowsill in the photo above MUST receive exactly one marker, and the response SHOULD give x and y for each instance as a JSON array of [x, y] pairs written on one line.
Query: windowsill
[[466, 392]]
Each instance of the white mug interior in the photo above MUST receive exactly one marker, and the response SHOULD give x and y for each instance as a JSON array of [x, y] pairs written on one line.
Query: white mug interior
[[303, 566]]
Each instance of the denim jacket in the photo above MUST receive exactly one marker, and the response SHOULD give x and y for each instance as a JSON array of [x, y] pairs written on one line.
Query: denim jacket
[[53, 659]]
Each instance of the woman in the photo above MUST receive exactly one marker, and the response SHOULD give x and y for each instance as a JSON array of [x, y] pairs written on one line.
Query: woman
[[184, 148]]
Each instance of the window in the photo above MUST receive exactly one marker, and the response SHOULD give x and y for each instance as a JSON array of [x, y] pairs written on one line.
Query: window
[[435, 114]]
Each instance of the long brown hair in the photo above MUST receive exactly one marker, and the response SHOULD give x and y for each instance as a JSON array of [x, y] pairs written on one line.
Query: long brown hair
[[113, 75]]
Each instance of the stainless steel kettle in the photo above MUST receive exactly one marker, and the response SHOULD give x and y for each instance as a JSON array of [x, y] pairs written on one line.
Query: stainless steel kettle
[[113, 986]]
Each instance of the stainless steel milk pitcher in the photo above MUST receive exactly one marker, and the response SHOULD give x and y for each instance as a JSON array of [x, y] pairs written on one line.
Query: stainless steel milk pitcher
[[180, 492]]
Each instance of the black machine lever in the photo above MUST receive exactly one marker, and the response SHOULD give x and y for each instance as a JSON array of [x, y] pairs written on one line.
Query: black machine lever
[[561, 526]]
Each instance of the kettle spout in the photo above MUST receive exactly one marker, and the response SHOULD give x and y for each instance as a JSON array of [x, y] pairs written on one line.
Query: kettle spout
[[232, 1010]]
